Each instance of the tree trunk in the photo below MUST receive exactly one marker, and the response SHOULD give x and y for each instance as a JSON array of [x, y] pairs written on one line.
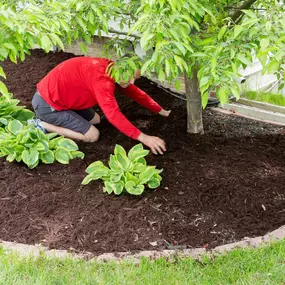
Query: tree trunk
[[194, 105], [246, 5]]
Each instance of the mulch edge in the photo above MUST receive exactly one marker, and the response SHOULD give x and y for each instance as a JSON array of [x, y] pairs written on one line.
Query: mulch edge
[[196, 253]]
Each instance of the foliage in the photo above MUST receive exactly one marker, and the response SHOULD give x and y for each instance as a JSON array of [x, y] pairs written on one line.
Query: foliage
[[123, 69], [126, 171], [50, 24], [211, 38], [180, 36], [9, 109], [30, 145], [277, 99], [246, 266]]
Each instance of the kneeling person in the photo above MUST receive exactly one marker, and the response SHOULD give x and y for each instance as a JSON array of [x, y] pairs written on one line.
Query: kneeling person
[[65, 97]]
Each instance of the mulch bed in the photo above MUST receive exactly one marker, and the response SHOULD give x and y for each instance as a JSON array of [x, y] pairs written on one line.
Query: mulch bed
[[216, 189]]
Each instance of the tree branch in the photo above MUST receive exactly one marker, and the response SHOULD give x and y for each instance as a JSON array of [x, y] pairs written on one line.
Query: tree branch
[[246, 5], [237, 8], [123, 33]]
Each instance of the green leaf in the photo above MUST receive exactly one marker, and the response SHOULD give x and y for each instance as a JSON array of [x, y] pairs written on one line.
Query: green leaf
[[108, 187], [98, 168], [3, 88], [272, 66], [119, 149], [157, 176], [142, 161], [83, 47], [268, 26], [117, 187], [213, 63], [62, 155], [145, 39], [77, 154], [153, 183], [121, 156], [199, 54], [167, 68], [50, 136], [161, 75], [24, 115], [138, 168], [145, 66], [113, 163], [177, 84], [11, 157], [147, 174], [134, 189], [137, 152], [223, 95], [205, 99], [130, 177], [39, 146], [264, 43], [46, 43], [237, 30], [53, 143], [3, 121], [235, 92], [15, 127], [243, 59], [116, 177], [47, 157], [204, 81], [2, 73], [31, 158], [222, 32], [90, 177], [68, 144], [263, 59], [181, 47]]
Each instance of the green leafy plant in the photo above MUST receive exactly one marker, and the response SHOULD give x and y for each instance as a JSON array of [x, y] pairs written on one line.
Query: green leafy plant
[[30, 145], [126, 171], [9, 110]]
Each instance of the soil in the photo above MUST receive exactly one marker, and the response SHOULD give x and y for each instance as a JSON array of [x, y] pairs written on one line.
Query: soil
[[216, 189]]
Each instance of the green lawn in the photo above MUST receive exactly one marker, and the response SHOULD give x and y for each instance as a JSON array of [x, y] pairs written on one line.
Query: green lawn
[[265, 265], [276, 99]]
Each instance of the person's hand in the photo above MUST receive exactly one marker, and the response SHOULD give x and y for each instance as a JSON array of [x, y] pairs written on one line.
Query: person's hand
[[156, 144], [164, 113]]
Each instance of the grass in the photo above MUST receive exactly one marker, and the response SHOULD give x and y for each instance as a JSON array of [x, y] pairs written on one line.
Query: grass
[[276, 99], [265, 265]]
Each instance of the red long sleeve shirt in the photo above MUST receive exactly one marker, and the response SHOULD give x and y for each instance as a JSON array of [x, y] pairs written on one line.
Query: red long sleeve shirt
[[82, 82]]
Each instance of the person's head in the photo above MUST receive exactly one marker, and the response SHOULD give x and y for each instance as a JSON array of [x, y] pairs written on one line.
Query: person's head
[[124, 84], [137, 74]]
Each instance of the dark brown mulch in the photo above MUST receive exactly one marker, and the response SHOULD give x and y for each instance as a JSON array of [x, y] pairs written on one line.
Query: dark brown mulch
[[216, 188]]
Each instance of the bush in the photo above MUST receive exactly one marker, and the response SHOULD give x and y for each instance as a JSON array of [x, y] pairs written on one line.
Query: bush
[[125, 171]]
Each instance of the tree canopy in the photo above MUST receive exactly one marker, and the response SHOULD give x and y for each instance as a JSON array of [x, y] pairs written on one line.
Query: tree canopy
[[210, 39]]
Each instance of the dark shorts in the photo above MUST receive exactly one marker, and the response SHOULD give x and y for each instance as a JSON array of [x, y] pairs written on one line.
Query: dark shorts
[[75, 120]]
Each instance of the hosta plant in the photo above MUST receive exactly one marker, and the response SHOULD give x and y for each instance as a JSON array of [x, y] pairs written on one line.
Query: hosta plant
[[9, 110], [31, 145], [126, 171]]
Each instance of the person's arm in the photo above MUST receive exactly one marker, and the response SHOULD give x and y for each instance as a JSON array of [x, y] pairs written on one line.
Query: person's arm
[[141, 98], [107, 102]]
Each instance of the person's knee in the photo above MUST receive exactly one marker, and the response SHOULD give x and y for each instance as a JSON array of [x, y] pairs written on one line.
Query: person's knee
[[96, 119], [92, 135]]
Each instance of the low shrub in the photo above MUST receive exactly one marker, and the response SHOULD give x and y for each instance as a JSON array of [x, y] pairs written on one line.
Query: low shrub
[[126, 171], [31, 145]]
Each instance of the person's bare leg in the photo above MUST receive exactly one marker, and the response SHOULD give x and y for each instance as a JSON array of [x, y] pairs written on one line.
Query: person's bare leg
[[96, 119], [91, 136]]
